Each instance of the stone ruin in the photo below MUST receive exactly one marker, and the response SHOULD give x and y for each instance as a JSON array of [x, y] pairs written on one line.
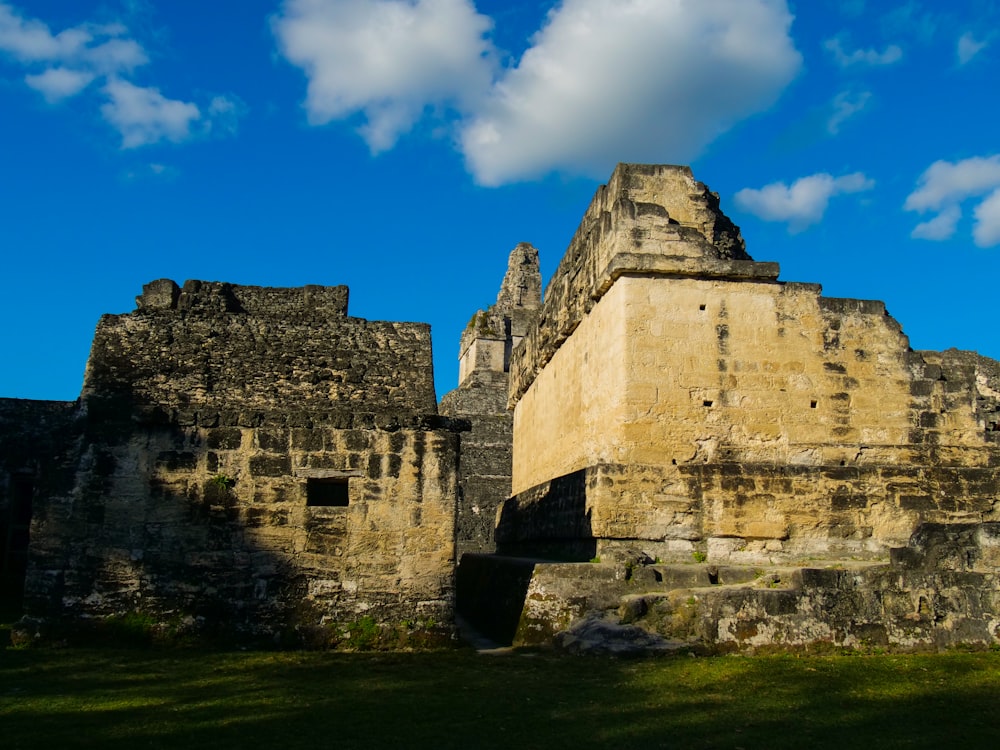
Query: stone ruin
[[481, 397], [252, 462], [674, 450]]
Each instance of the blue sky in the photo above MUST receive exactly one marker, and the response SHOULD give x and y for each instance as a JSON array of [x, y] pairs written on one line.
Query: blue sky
[[404, 147]]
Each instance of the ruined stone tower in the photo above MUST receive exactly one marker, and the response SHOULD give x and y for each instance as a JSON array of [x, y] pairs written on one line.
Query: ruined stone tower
[[481, 397], [676, 396]]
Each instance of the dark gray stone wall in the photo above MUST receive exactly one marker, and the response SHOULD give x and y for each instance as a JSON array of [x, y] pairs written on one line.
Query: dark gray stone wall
[[222, 346], [484, 467], [37, 446]]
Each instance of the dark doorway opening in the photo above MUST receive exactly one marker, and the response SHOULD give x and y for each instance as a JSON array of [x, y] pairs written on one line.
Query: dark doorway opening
[[15, 527]]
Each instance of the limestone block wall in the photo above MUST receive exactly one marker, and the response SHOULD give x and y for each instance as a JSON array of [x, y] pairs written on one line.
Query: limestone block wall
[[657, 211], [217, 528], [759, 416], [713, 409]]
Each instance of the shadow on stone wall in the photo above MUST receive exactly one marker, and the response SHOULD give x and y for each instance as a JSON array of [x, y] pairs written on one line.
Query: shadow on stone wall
[[550, 521], [177, 532]]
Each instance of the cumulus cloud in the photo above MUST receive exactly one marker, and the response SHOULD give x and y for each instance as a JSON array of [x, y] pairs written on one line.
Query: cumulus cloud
[[945, 186], [845, 58], [602, 80], [642, 80], [28, 39], [941, 227], [143, 115], [65, 64], [56, 84], [945, 183], [968, 48], [92, 48], [386, 59], [846, 104], [986, 232], [804, 202]]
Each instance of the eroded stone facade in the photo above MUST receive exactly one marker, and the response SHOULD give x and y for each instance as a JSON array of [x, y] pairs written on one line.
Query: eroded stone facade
[[675, 394], [254, 461]]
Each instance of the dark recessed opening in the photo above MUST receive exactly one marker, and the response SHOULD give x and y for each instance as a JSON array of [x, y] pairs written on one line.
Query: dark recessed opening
[[706, 402], [701, 307], [327, 493], [14, 538], [813, 404]]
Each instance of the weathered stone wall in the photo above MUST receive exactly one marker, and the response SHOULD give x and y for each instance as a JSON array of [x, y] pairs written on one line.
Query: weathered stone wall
[[645, 209], [256, 462], [939, 591], [212, 528], [222, 346], [717, 410], [37, 441]]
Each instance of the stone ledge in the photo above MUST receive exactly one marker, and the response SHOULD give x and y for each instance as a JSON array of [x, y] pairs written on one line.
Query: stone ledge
[[326, 473], [679, 266]]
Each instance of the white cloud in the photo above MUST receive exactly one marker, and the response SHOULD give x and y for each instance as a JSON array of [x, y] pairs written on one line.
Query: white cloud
[[845, 105], [93, 48], [144, 116], [944, 186], [30, 40], [845, 59], [115, 56], [968, 48], [603, 80], [802, 204], [630, 80], [946, 183], [386, 59], [941, 227], [56, 84], [65, 64], [986, 233]]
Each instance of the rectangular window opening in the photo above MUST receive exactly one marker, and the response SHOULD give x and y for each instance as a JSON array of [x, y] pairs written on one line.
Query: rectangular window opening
[[813, 404], [706, 403], [327, 492]]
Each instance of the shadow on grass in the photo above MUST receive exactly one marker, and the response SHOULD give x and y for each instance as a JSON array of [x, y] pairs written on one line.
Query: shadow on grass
[[127, 699]]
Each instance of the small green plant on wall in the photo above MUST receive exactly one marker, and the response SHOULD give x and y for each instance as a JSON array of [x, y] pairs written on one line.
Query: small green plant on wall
[[223, 481], [218, 489]]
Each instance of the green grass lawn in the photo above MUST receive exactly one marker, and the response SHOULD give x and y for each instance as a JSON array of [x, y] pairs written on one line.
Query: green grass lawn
[[61, 698], [191, 699]]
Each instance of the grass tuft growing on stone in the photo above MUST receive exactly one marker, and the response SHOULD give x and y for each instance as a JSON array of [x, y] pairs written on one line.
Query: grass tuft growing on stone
[[124, 699]]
